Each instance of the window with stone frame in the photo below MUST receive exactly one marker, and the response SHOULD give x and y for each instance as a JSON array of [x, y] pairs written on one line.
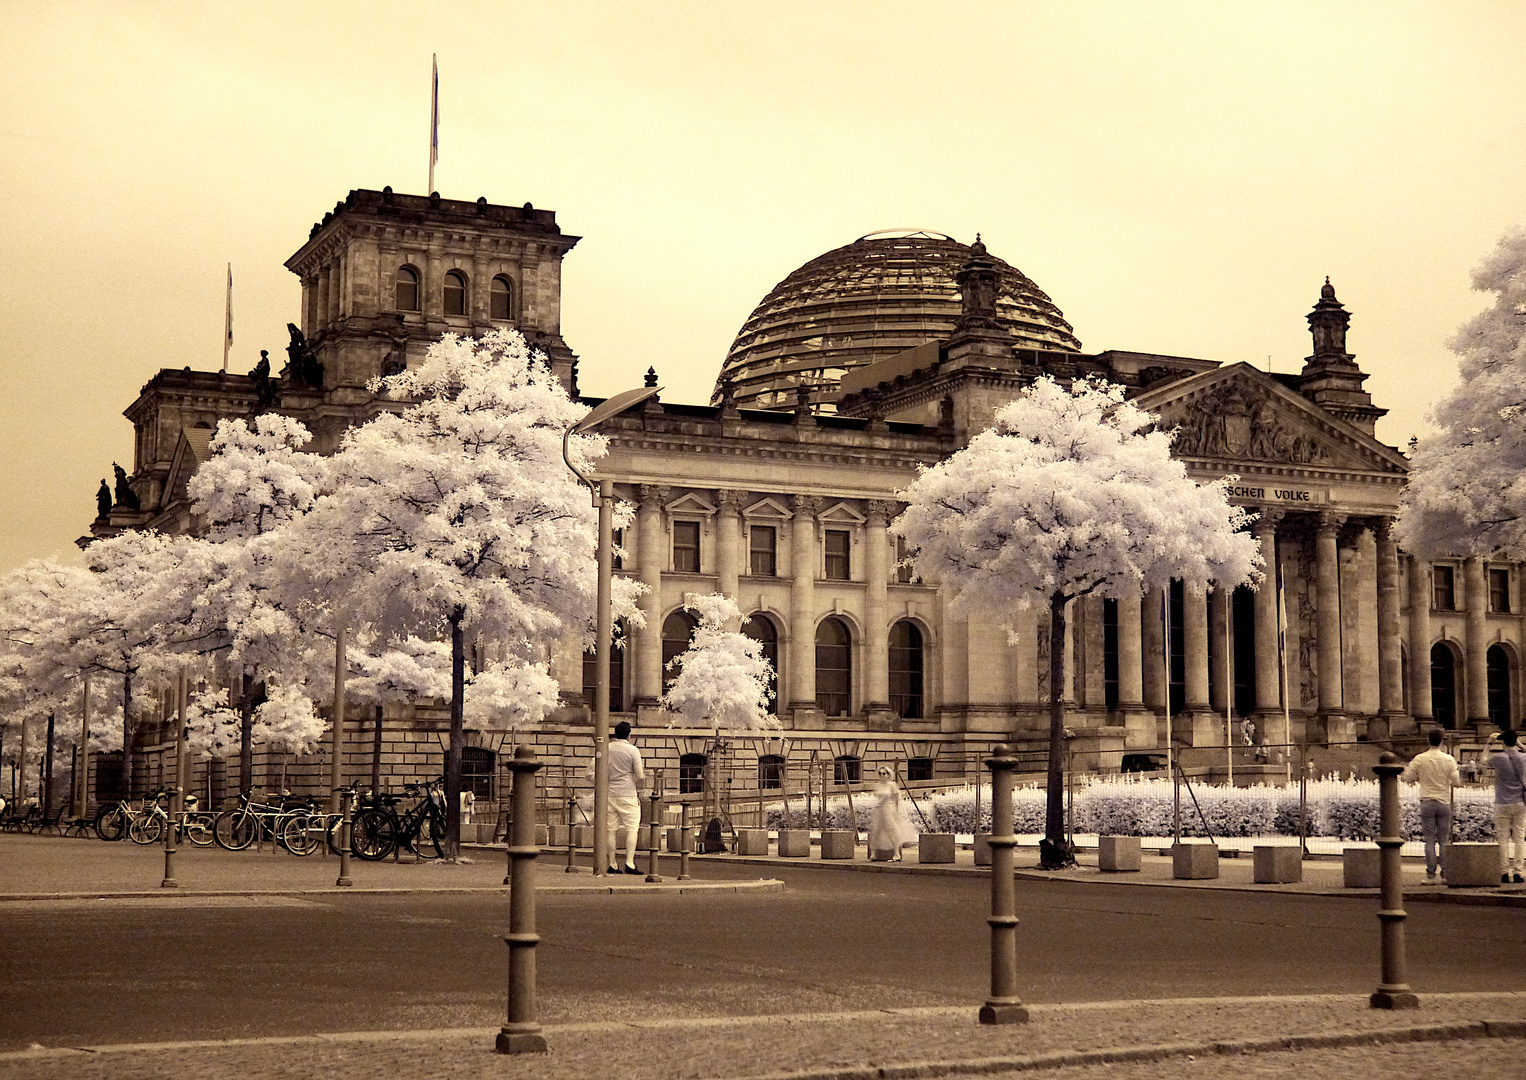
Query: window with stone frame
[[501, 299], [1443, 589], [478, 767], [455, 293], [686, 547], [763, 551], [770, 771], [617, 538], [846, 769], [1499, 591], [691, 774], [407, 289], [919, 768], [904, 575], [838, 544], [834, 667]]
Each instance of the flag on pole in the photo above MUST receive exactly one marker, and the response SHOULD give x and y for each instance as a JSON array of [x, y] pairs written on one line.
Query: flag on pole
[[228, 320], [434, 118]]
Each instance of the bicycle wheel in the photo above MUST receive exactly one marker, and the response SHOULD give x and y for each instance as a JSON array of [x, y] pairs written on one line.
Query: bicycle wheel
[[111, 822], [198, 829], [235, 829], [373, 835], [146, 829], [426, 842], [332, 830], [300, 833]]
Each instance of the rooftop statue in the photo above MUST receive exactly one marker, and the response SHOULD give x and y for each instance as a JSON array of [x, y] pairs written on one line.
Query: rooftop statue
[[127, 499], [102, 501], [301, 364]]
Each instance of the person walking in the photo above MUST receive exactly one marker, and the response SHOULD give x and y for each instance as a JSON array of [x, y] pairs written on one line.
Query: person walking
[[1435, 771], [625, 779], [1509, 766], [889, 827]]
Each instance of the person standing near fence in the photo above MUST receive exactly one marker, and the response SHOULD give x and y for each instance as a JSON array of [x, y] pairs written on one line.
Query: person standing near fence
[[625, 779], [1509, 766], [1435, 771], [889, 827]]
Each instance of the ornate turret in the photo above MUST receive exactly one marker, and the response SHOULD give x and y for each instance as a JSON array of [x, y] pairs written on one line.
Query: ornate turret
[[1330, 377]]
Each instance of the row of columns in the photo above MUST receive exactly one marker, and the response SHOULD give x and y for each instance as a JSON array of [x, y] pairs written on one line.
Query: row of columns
[[1475, 671], [802, 557]]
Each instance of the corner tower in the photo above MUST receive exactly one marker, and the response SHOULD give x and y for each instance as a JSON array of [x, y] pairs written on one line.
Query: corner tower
[[384, 275]]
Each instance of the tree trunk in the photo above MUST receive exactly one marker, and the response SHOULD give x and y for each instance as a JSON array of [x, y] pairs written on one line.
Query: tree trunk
[[246, 735], [376, 752], [1054, 851], [127, 735], [457, 737]]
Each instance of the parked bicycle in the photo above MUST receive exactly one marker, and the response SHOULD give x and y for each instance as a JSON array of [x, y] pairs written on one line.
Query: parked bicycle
[[236, 828], [148, 827], [380, 830], [114, 819]]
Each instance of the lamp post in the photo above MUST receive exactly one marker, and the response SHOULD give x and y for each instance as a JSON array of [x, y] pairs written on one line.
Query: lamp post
[[603, 498]]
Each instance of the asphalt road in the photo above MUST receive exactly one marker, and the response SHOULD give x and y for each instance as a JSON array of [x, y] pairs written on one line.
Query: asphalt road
[[165, 968]]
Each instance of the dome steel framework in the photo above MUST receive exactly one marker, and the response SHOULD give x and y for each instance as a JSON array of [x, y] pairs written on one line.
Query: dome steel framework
[[880, 295]]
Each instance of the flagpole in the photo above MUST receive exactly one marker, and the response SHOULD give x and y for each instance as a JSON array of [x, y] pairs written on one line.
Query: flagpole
[[1229, 685], [434, 117], [1282, 654], [228, 320]]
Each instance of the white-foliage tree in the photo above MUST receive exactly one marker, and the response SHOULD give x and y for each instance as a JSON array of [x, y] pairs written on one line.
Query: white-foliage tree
[[1070, 494], [1467, 484], [722, 678], [457, 518]]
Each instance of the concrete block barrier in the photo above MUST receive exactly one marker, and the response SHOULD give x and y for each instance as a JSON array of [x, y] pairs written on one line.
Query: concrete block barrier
[[982, 849], [794, 843], [935, 847], [1361, 867], [752, 841], [1472, 865], [1194, 862], [1119, 854], [557, 835], [1277, 864], [838, 843], [582, 836]]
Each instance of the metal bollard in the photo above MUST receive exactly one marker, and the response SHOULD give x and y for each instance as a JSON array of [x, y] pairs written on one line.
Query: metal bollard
[[1393, 992], [169, 881], [522, 1034], [346, 799], [571, 848], [653, 836], [1003, 1006], [684, 842]]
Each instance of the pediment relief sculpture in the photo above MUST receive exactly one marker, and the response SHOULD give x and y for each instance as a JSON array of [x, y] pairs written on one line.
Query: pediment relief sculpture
[[1237, 423]]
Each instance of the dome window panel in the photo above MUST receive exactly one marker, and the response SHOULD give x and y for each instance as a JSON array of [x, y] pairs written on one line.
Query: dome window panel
[[455, 293]]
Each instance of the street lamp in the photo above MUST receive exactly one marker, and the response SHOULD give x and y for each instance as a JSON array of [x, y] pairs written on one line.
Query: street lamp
[[604, 499]]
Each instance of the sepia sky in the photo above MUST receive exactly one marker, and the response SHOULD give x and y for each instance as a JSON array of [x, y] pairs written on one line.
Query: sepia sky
[[1178, 177]]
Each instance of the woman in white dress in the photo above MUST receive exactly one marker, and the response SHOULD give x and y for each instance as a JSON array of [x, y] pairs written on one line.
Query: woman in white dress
[[889, 827]]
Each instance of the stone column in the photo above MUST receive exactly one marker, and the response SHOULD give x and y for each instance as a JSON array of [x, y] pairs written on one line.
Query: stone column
[[876, 616], [1153, 644], [478, 291], [1138, 722], [325, 284], [729, 549], [1268, 658], [651, 560], [1328, 626], [1390, 658], [1198, 710], [1476, 596], [802, 641], [1419, 639], [432, 295]]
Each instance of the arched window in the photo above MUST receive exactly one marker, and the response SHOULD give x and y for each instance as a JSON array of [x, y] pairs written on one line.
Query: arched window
[[761, 629], [846, 768], [834, 667], [770, 771], [616, 672], [906, 670], [1443, 685], [677, 632], [477, 770], [501, 296], [455, 293], [407, 289], [1497, 666], [691, 774]]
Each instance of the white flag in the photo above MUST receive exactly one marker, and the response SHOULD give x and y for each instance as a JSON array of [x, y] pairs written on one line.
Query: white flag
[[434, 118], [228, 319]]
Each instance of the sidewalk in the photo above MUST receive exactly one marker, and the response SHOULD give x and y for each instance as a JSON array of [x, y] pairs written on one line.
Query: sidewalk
[[1480, 1036]]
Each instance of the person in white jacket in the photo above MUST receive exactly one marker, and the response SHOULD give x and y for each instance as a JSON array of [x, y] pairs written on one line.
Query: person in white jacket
[[1435, 771], [626, 777]]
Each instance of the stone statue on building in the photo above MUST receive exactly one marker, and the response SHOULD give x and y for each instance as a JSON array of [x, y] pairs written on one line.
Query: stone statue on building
[[102, 501], [264, 385], [301, 364], [127, 499]]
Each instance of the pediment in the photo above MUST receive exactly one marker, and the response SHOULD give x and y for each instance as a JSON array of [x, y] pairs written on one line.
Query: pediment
[[768, 507], [1238, 416], [193, 446], [690, 504], [840, 514]]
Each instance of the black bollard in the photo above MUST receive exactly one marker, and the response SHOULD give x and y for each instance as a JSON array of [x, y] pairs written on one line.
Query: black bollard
[[346, 802], [522, 1034], [1393, 992], [685, 841], [653, 837], [1003, 1006], [571, 847]]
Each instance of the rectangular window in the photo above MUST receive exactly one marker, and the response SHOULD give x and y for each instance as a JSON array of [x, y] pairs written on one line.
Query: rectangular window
[[1443, 596], [618, 537], [919, 768], [1499, 591], [763, 542], [477, 766], [903, 572], [686, 546], [837, 555]]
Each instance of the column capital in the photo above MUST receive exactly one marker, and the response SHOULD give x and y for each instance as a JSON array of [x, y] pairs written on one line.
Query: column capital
[[1383, 527], [879, 508], [805, 505], [1266, 522], [652, 495], [1328, 523], [731, 500]]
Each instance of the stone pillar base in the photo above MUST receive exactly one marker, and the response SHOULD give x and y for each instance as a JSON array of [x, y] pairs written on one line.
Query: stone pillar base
[[1200, 726], [1140, 727], [878, 717], [1335, 727]]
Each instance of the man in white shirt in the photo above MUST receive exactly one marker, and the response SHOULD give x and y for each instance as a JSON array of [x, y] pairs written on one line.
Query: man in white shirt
[[625, 779], [1436, 773]]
